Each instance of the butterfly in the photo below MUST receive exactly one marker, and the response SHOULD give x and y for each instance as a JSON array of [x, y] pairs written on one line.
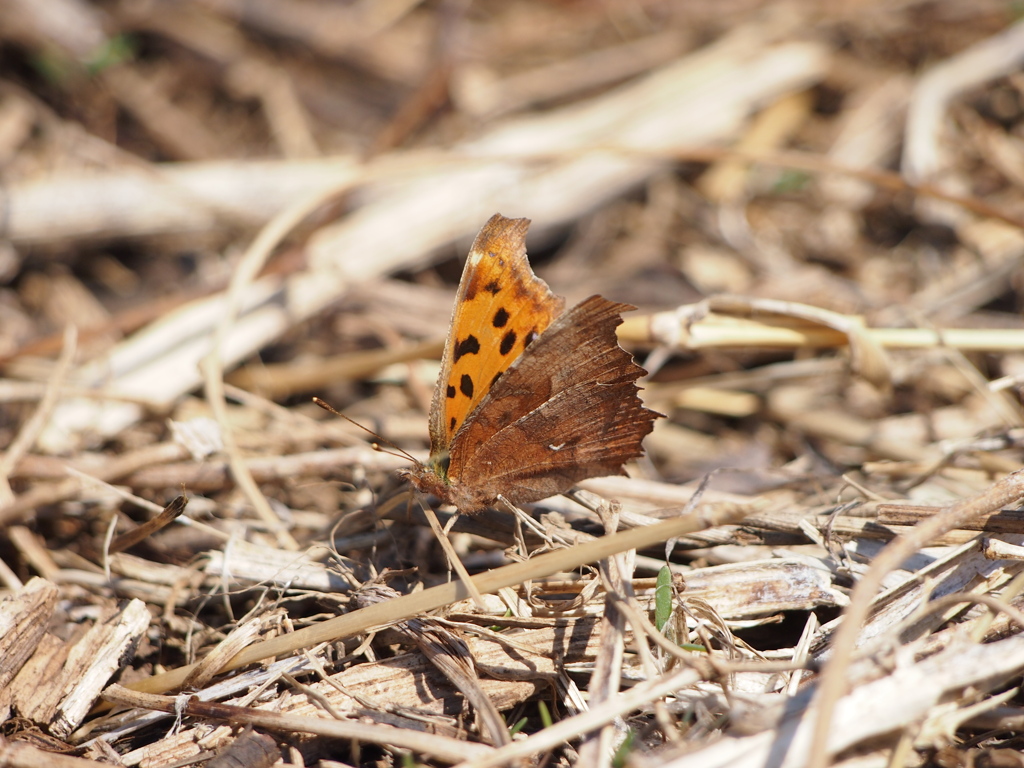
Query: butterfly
[[531, 399]]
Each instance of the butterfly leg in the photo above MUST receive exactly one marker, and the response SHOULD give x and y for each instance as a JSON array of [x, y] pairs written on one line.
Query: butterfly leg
[[451, 522], [553, 536], [521, 520]]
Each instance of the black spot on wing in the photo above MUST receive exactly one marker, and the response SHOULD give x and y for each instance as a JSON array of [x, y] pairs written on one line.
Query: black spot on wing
[[466, 385], [508, 341], [468, 346], [451, 391], [500, 318], [493, 288], [451, 425], [528, 338]]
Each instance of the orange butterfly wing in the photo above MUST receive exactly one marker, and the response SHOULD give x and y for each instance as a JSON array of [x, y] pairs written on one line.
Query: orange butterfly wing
[[500, 308]]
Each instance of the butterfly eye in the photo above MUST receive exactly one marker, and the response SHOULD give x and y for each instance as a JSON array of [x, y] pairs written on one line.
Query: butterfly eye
[[439, 465]]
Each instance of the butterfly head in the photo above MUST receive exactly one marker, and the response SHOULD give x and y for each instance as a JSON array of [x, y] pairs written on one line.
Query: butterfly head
[[432, 477]]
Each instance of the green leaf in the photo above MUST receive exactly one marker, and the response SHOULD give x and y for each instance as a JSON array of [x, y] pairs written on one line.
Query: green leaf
[[545, 714], [663, 598], [791, 181], [520, 724], [622, 753], [53, 68], [116, 50]]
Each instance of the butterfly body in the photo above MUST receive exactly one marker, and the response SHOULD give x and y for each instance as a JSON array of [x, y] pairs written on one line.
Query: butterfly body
[[530, 399]]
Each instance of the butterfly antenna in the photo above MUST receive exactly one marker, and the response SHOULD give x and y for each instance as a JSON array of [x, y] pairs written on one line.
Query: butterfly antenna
[[377, 439]]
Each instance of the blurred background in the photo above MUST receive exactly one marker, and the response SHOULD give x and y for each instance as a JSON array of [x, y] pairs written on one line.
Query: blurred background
[[816, 206], [864, 159]]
